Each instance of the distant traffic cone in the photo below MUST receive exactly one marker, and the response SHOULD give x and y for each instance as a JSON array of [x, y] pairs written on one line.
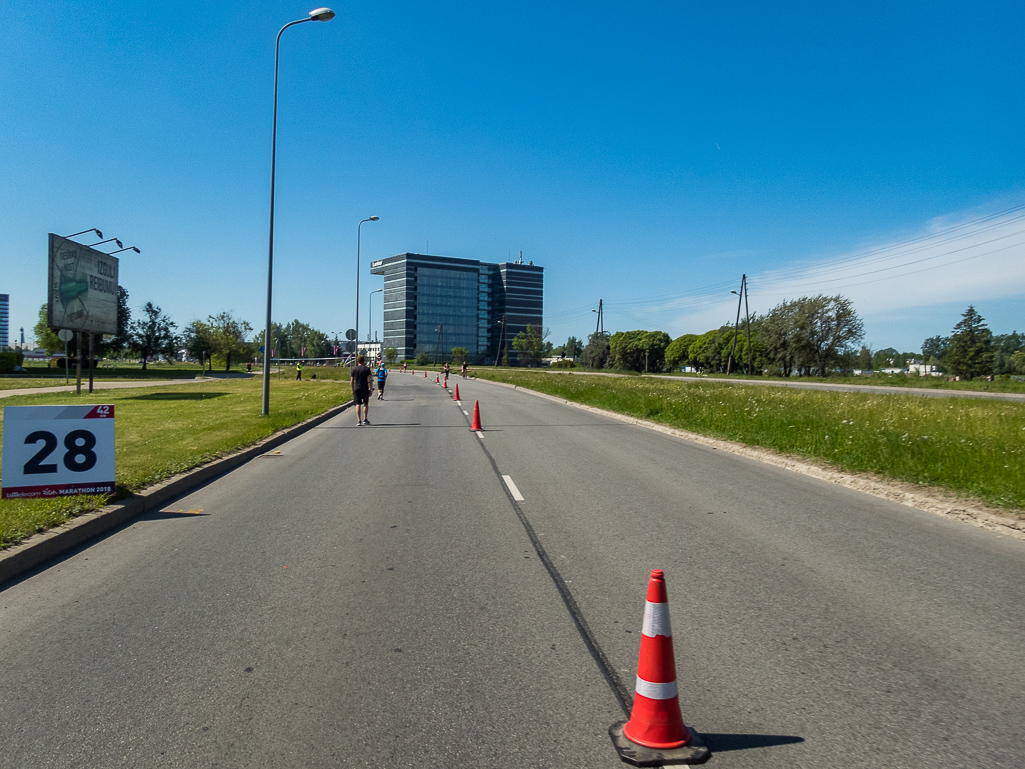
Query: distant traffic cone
[[476, 427], [436, 379], [445, 383], [655, 733], [425, 375], [456, 396]]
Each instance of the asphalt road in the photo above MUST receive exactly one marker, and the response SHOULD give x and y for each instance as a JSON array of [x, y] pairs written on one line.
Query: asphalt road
[[382, 596]]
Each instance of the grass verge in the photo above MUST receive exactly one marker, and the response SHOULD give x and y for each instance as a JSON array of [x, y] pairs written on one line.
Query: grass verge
[[972, 447], [162, 431]]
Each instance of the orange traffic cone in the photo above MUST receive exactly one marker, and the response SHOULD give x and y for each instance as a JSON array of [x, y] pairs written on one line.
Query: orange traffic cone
[[445, 383], [456, 396], [655, 733], [436, 379], [476, 418], [425, 375]]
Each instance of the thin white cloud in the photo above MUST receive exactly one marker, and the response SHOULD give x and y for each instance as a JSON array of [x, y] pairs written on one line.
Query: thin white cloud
[[961, 258]]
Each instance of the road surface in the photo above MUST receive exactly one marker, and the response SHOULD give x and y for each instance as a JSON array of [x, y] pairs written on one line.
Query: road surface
[[413, 594]]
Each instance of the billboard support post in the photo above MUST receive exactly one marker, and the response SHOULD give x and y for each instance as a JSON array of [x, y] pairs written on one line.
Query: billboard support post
[[92, 360], [78, 363]]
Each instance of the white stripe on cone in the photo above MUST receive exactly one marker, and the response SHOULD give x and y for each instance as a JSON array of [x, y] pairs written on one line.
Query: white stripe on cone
[[656, 620], [655, 691]]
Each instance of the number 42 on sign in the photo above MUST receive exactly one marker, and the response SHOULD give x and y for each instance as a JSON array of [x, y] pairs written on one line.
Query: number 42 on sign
[[54, 451]]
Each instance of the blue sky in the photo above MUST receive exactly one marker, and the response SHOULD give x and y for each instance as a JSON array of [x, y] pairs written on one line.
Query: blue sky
[[645, 154]]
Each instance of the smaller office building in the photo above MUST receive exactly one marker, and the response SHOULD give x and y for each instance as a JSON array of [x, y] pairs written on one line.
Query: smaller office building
[[435, 303]]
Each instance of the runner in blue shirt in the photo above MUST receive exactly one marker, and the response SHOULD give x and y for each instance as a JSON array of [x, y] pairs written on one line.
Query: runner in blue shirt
[[382, 375]]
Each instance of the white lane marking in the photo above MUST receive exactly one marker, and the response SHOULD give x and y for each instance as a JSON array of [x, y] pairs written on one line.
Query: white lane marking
[[512, 488], [479, 435], [466, 412]]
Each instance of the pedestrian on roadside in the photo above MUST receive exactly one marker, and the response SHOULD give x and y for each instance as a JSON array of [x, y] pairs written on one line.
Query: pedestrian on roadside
[[299, 370], [360, 380], [464, 369], [447, 369], [382, 375]]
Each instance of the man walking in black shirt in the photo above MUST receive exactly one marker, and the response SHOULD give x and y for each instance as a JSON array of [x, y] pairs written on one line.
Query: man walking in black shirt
[[360, 381]]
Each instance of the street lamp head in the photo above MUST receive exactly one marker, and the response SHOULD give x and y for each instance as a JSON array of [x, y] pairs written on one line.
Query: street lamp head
[[734, 292], [322, 14], [374, 218]]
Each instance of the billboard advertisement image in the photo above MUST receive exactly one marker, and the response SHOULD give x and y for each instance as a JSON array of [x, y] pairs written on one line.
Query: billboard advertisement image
[[82, 293]]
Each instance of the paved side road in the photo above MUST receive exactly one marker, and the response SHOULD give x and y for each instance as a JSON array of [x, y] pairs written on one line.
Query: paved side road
[[109, 386], [850, 388]]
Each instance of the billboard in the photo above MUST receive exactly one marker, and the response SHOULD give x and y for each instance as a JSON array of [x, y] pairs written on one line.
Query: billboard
[[82, 293]]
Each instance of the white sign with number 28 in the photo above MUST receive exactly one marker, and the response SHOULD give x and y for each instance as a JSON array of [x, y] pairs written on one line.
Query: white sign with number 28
[[54, 451]]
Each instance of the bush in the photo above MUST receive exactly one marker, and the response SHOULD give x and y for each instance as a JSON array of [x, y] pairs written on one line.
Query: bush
[[563, 364], [11, 360]]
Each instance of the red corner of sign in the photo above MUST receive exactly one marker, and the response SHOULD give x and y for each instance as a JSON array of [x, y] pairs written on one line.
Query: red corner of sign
[[100, 412]]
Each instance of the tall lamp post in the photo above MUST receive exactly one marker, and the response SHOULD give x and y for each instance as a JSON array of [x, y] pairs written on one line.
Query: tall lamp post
[[358, 228], [370, 312], [318, 14]]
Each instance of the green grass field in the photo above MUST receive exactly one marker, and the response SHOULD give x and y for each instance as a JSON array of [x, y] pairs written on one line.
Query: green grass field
[[162, 431], [973, 447]]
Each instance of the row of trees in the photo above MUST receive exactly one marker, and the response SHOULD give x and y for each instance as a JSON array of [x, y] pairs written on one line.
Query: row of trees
[[805, 337], [220, 338]]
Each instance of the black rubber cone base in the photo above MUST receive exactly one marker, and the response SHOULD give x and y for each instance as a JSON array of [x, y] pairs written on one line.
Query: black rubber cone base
[[694, 752]]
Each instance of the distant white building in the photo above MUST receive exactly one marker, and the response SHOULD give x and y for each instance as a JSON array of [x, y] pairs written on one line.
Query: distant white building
[[923, 369]]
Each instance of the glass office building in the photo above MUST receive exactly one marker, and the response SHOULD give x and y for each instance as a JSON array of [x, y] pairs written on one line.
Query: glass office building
[[435, 303], [5, 314]]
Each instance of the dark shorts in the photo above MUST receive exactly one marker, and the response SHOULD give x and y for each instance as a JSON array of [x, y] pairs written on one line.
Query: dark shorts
[[380, 385], [361, 397]]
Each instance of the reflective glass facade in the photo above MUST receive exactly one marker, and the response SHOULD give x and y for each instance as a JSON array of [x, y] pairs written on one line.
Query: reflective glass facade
[[435, 303]]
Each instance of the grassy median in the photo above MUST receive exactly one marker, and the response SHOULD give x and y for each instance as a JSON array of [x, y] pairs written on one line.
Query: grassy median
[[162, 431], [972, 447]]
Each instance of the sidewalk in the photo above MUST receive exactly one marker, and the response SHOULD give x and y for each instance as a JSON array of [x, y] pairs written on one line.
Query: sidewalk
[[112, 385]]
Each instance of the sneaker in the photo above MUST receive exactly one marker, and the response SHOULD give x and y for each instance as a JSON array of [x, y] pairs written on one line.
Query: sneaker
[[366, 421], [359, 423]]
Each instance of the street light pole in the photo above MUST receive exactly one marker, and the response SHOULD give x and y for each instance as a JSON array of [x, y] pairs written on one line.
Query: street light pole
[[370, 312], [358, 228], [318, 14]]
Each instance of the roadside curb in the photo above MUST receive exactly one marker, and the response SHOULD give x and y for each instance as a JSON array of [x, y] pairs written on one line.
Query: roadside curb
[[52, 543]]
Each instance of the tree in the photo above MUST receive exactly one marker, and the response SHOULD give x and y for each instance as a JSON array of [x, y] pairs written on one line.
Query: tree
[[153, 335], [46, 337], [121, 337], [390, 354], [572, 348], [459, 354], [810, 334], [198, 341], [1004, 348], [934, 349], [677, 353], [970, 353], [596, 353], [228, 338], [530, 345], [639, 350]]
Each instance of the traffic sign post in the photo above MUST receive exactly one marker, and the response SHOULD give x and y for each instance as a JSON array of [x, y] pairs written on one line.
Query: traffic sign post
[[56, 451]]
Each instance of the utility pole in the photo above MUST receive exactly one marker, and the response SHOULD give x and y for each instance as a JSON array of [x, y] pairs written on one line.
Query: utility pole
[[736, 325]]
